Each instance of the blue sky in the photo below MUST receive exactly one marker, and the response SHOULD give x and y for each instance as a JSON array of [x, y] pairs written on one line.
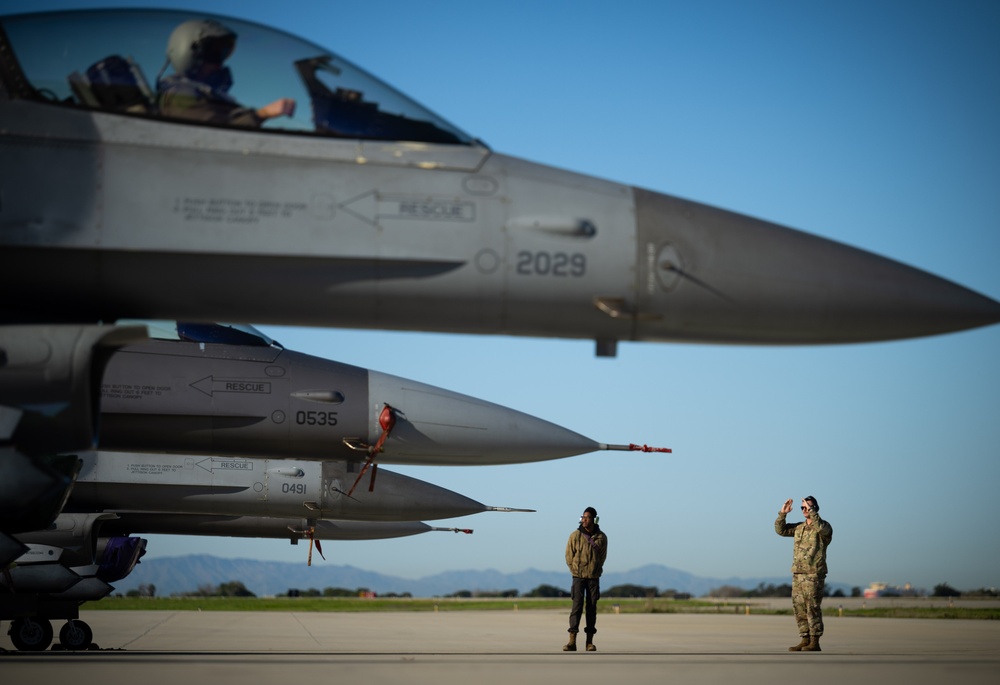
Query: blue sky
[[870, 123]]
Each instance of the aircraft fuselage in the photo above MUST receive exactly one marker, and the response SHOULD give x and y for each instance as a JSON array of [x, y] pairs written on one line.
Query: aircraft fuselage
[[109, 216]]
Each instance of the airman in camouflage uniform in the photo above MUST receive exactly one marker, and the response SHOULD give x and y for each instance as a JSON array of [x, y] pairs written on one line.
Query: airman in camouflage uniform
[[812, 537]]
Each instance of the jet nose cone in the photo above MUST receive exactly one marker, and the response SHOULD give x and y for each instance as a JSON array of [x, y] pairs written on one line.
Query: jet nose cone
[[717, 276], [915, 302], [402, 498], [437, 426]]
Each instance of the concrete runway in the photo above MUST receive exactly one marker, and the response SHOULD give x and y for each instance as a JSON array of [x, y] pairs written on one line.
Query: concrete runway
[[501, 647]]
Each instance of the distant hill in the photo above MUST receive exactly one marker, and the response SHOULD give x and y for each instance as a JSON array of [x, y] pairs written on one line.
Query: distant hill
[[175, 575]]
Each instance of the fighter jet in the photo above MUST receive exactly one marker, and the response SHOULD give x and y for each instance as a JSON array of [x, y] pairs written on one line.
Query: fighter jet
[[117, 496], [75, 560], [365, 210], [229, 387], [230, 390], [121, 482], [137, 185]]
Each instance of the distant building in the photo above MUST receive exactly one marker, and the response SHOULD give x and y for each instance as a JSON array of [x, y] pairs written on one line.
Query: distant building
[[886, 590]]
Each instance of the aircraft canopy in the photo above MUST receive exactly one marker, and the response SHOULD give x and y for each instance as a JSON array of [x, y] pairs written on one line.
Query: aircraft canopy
[[117, 60]]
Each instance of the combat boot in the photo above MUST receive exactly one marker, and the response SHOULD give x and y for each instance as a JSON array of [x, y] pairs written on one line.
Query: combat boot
[[590, 643], [813, 645], [571, 645], [802, 645]]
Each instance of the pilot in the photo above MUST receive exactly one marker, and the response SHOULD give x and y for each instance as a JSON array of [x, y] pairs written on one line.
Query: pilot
[[586, 550], [199, 87], [809, 569]]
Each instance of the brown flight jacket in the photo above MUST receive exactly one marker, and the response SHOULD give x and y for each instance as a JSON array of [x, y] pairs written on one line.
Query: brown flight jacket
[[586, 560]]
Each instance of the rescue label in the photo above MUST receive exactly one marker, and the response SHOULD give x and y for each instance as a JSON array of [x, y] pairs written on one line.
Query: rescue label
[[223, 464], [211, 385], [246, 386], [431, 210], [233, 465]]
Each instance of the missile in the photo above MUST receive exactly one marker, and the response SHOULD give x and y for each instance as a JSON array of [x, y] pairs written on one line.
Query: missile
[[247, 486], [198, 394], [294, 529]]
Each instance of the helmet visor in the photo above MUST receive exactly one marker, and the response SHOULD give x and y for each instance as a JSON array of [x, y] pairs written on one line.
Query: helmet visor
[[216, 49]]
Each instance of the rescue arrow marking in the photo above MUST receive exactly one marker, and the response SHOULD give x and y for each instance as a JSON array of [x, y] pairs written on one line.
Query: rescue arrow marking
[[372, 206], [210, 385], [225, 464]]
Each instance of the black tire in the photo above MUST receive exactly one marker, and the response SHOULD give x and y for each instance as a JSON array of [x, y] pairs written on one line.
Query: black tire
[[75, 635], [31, 634]]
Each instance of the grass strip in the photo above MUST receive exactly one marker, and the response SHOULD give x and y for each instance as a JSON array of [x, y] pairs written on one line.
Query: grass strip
[[606, 606]]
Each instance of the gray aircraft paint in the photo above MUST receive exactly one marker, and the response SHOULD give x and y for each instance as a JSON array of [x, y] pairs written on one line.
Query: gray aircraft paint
[[169, 219], [270, 527], [242, 486], [206, 398]]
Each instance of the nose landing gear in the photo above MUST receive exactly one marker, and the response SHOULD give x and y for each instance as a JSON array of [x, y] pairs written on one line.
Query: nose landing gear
[[35, 634], [31, 634], [75, 635]]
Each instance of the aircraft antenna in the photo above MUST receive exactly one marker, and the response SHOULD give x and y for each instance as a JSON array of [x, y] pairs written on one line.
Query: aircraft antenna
[[632, 447]]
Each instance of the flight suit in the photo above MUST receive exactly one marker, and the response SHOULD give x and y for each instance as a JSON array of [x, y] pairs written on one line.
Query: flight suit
[[185, 98]]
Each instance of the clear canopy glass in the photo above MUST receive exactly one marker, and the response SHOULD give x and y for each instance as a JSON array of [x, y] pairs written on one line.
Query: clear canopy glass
[[220, 333], [116, 60]]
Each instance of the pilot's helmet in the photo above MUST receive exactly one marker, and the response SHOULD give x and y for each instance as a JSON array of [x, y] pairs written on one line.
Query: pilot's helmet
[[198, 42]]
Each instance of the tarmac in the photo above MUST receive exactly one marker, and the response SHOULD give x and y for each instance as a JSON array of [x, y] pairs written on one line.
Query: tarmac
[[508, 647]]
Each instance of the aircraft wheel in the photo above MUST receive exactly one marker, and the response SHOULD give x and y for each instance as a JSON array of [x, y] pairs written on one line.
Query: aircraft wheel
[[75, 635], [31, 635]]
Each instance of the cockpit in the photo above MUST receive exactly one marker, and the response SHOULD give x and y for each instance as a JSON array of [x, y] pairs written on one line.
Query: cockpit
[[143, 62], [214, 333]]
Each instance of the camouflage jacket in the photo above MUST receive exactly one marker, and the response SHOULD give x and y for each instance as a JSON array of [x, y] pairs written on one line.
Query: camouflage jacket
[[811, 541], [586, 560]]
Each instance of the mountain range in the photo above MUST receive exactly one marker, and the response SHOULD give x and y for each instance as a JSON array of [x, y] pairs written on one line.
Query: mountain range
[[177, 575]]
